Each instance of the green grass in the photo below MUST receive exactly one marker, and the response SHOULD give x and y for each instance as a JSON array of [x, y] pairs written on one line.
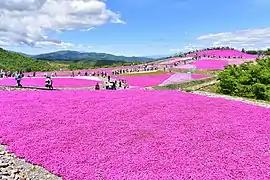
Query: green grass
[[145, 73], [210, 88], [209, 72], [213, 89], [184, 85]]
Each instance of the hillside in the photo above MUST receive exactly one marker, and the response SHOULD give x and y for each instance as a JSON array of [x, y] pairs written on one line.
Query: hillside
[[222, 54], [75, 55], [14, 61]]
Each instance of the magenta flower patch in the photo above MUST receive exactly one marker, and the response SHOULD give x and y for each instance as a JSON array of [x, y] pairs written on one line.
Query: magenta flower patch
[[182, 77], [83, 135], [225, 54], [146, 81], [57, 82], [210, 64]]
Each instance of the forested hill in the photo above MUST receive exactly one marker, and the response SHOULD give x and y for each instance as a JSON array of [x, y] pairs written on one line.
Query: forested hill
[[75, 56], [14, 61]]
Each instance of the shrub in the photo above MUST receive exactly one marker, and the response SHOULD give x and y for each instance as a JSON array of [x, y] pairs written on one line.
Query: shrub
[[247, 80]]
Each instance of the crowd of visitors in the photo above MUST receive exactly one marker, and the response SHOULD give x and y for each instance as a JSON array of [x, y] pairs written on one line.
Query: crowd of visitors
[[113, 84], [196, 57], [117, 84], [144, 68], [6, 74], [45, 74], [18, 75], [108, 85], [104, 74], [98, 74]]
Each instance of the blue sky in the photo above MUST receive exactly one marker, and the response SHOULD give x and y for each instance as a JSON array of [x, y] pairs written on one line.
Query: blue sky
[[148, 27]]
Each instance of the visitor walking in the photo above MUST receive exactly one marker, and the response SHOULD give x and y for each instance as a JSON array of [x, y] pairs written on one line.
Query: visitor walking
[[18, 78]]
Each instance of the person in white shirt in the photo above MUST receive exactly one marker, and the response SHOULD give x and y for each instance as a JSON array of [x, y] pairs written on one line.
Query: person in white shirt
[[49, 83], [18, 78]]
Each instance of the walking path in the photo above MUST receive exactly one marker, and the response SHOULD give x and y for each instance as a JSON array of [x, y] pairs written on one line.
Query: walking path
[[177, 78], [214, 95], [199, 86], [14, 168]]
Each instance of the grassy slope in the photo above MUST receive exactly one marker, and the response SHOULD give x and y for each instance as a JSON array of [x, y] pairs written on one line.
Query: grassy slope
[[13, 61], [213, 89], [210, 72]]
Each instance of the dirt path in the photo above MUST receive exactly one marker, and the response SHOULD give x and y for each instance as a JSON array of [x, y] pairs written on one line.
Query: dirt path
[[14, 168], [249, 101], [199, 86]]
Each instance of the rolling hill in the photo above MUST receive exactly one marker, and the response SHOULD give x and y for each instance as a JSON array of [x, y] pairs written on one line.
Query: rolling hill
[[75, 56], [14, 61]]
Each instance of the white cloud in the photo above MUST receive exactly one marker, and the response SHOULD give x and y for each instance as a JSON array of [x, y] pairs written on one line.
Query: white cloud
[[189, 47], [27, 22], [55, 46], [249, 38], [88, 29]]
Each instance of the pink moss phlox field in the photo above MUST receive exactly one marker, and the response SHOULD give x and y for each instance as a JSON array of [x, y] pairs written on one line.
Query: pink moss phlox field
[[210, 64], [83, 135], [224, 53], [146, 81], [182, 77], [199, 76], [186, 66], [57, 82]]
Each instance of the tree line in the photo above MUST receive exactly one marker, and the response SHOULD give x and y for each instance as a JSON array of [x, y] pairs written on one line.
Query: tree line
[[257, 52]]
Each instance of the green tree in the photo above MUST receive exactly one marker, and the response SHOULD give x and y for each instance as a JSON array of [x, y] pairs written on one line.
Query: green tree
[[247, 80], [10, 61]]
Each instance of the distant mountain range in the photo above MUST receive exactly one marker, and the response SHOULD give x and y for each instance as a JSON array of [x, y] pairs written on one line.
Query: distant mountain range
[[79, 56]]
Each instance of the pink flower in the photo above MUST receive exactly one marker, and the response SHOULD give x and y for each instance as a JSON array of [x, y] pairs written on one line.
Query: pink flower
[[83, 135]]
